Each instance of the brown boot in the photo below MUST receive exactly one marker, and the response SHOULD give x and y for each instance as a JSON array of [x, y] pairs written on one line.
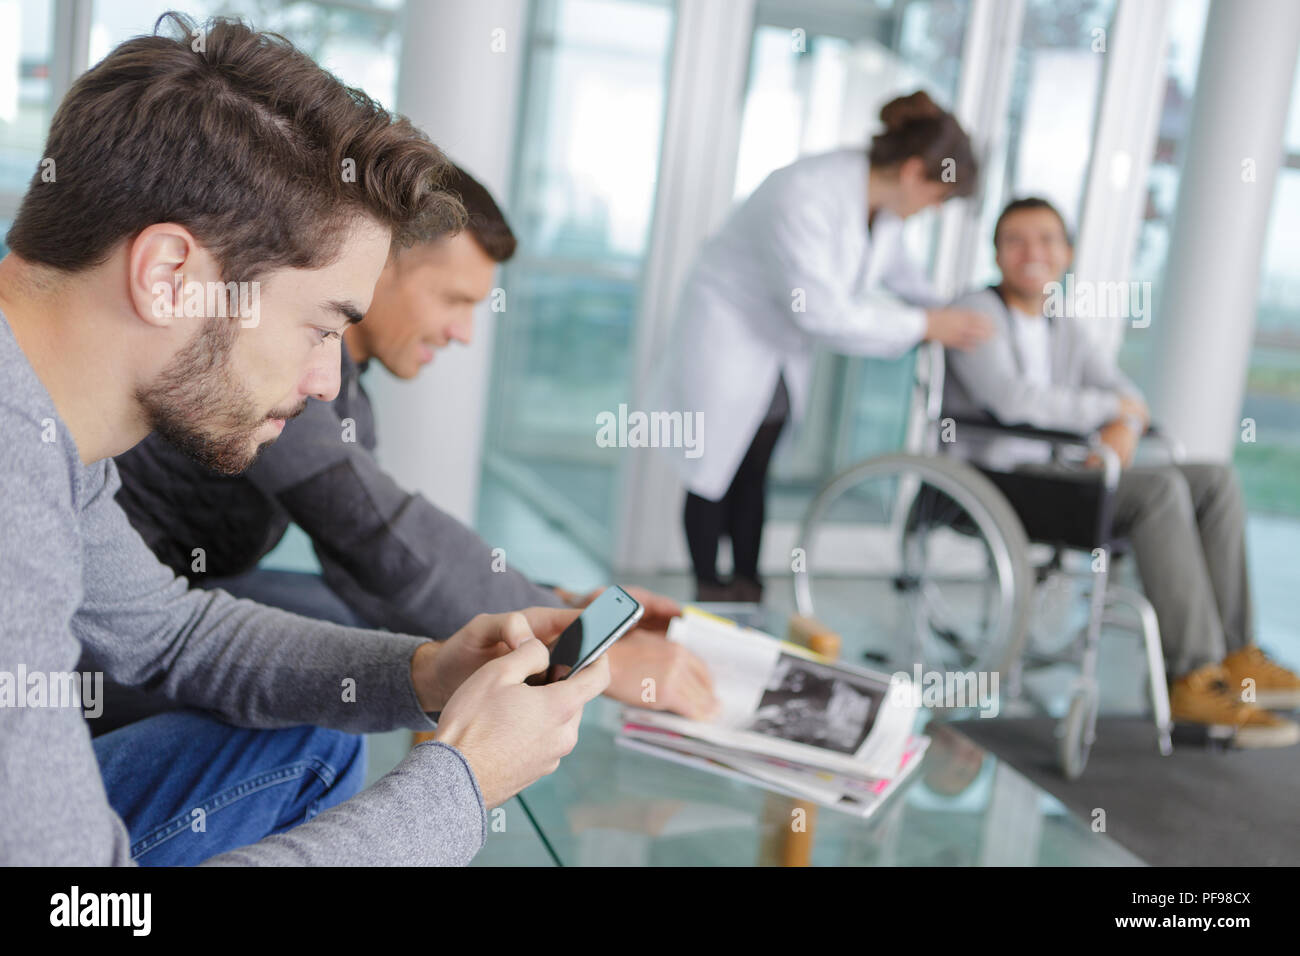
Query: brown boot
[[1205, 697], [1276, 688]]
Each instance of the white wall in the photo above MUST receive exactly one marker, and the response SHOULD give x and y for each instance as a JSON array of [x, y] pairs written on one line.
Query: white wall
[[459, 82]]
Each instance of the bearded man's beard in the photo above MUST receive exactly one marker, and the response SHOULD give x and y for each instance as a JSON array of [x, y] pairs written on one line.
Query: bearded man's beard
[[199, 406]]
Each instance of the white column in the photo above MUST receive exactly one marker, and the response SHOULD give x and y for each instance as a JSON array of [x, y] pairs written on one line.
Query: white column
[[988, 61], [1128, 118], [70, 45], [697, 170], [1205, 323], [458, 81]]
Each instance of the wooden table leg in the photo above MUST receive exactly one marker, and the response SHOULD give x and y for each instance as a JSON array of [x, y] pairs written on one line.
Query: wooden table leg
[[789, 826]]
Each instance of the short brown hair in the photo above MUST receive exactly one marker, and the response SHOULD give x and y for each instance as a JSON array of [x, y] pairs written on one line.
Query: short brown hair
[[917, 126], [485, 222], [240, 138]]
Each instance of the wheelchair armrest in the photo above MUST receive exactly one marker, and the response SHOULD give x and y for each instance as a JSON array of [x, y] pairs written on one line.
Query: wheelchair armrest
[[1110, 465], [1171, 445], [1022, 431]]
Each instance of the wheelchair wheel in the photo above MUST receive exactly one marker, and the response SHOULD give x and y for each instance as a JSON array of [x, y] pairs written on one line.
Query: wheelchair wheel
[[948, 581], [1078, 730]]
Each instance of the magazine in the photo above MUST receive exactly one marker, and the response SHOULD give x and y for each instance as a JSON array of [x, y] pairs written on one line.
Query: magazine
[[857, 796], [791, 720]]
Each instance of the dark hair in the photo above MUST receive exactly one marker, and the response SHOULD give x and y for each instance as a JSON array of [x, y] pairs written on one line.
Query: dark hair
[[484, 219], [235, 135], [1030, 202], [916, 126]]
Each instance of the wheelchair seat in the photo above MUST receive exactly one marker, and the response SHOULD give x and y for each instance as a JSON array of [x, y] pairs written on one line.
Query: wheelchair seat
[[967, 606]]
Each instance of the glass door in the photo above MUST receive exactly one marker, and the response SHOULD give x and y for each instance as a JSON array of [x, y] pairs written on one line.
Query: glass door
[[585, 176]]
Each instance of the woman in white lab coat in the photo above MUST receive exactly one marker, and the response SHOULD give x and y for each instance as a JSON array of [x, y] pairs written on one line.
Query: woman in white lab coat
[[813, 257]]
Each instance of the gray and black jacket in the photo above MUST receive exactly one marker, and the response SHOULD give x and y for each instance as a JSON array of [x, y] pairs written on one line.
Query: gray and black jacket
[[395, 558]]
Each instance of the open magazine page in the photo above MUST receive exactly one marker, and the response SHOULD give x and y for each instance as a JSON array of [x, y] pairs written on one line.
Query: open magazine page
[[740, 660], [782, 701]]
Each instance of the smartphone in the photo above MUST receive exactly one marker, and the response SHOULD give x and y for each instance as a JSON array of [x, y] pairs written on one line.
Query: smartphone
[[601, 623]]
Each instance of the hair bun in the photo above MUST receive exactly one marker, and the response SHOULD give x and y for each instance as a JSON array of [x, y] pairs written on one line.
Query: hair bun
[[902, 110]]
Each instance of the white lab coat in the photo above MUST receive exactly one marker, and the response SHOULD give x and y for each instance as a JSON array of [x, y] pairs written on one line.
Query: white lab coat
[[801, 239]]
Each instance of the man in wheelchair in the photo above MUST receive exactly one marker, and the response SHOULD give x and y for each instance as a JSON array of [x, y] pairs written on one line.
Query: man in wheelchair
[[1184, 522]]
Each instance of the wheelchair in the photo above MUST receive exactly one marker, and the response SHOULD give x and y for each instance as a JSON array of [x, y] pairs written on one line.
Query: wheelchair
[[960, 559]]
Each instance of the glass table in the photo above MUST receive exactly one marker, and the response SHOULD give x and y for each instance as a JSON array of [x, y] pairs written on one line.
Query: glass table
[[610, 806]]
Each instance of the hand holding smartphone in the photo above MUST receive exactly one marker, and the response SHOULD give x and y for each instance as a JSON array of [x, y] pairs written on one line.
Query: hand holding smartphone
[[604, 621]]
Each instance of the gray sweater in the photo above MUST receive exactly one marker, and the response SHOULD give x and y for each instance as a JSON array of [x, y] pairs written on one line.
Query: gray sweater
[[74, 578], [989, 382]]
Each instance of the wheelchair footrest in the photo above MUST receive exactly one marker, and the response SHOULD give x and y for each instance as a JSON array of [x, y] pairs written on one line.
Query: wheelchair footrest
[[1209, 736]]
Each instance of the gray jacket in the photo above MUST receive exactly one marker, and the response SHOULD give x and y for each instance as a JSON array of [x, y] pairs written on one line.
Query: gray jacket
[[988, 382], [76, 582], [392, 555]]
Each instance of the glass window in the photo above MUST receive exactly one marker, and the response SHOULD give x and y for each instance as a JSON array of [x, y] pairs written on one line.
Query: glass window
[[591, 119], [1055, 92], [358, 42], [810, 92], [26, 45]]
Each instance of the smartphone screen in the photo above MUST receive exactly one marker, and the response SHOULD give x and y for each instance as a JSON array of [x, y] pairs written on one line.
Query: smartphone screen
[[602, 622]]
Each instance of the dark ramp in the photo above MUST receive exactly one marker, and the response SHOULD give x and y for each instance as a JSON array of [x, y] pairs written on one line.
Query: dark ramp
[[1197, 807]]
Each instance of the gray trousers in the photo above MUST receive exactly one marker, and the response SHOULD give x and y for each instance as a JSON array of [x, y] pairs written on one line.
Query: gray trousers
[[1187, 527]]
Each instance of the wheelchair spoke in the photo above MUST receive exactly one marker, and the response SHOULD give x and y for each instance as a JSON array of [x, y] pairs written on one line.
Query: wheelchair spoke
[[943, 621], [943, 563]]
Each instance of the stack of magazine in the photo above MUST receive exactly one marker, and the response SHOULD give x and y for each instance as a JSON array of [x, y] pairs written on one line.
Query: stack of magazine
[[791, 721]]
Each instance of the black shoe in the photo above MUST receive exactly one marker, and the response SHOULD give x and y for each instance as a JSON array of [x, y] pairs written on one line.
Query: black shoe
[[712, 592], [747, 591]]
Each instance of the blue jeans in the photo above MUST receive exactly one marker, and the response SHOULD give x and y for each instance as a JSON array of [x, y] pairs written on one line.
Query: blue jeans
[[190, 787]]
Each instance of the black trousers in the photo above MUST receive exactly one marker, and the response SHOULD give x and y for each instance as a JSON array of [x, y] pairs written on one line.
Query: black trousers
[[740, 512]]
